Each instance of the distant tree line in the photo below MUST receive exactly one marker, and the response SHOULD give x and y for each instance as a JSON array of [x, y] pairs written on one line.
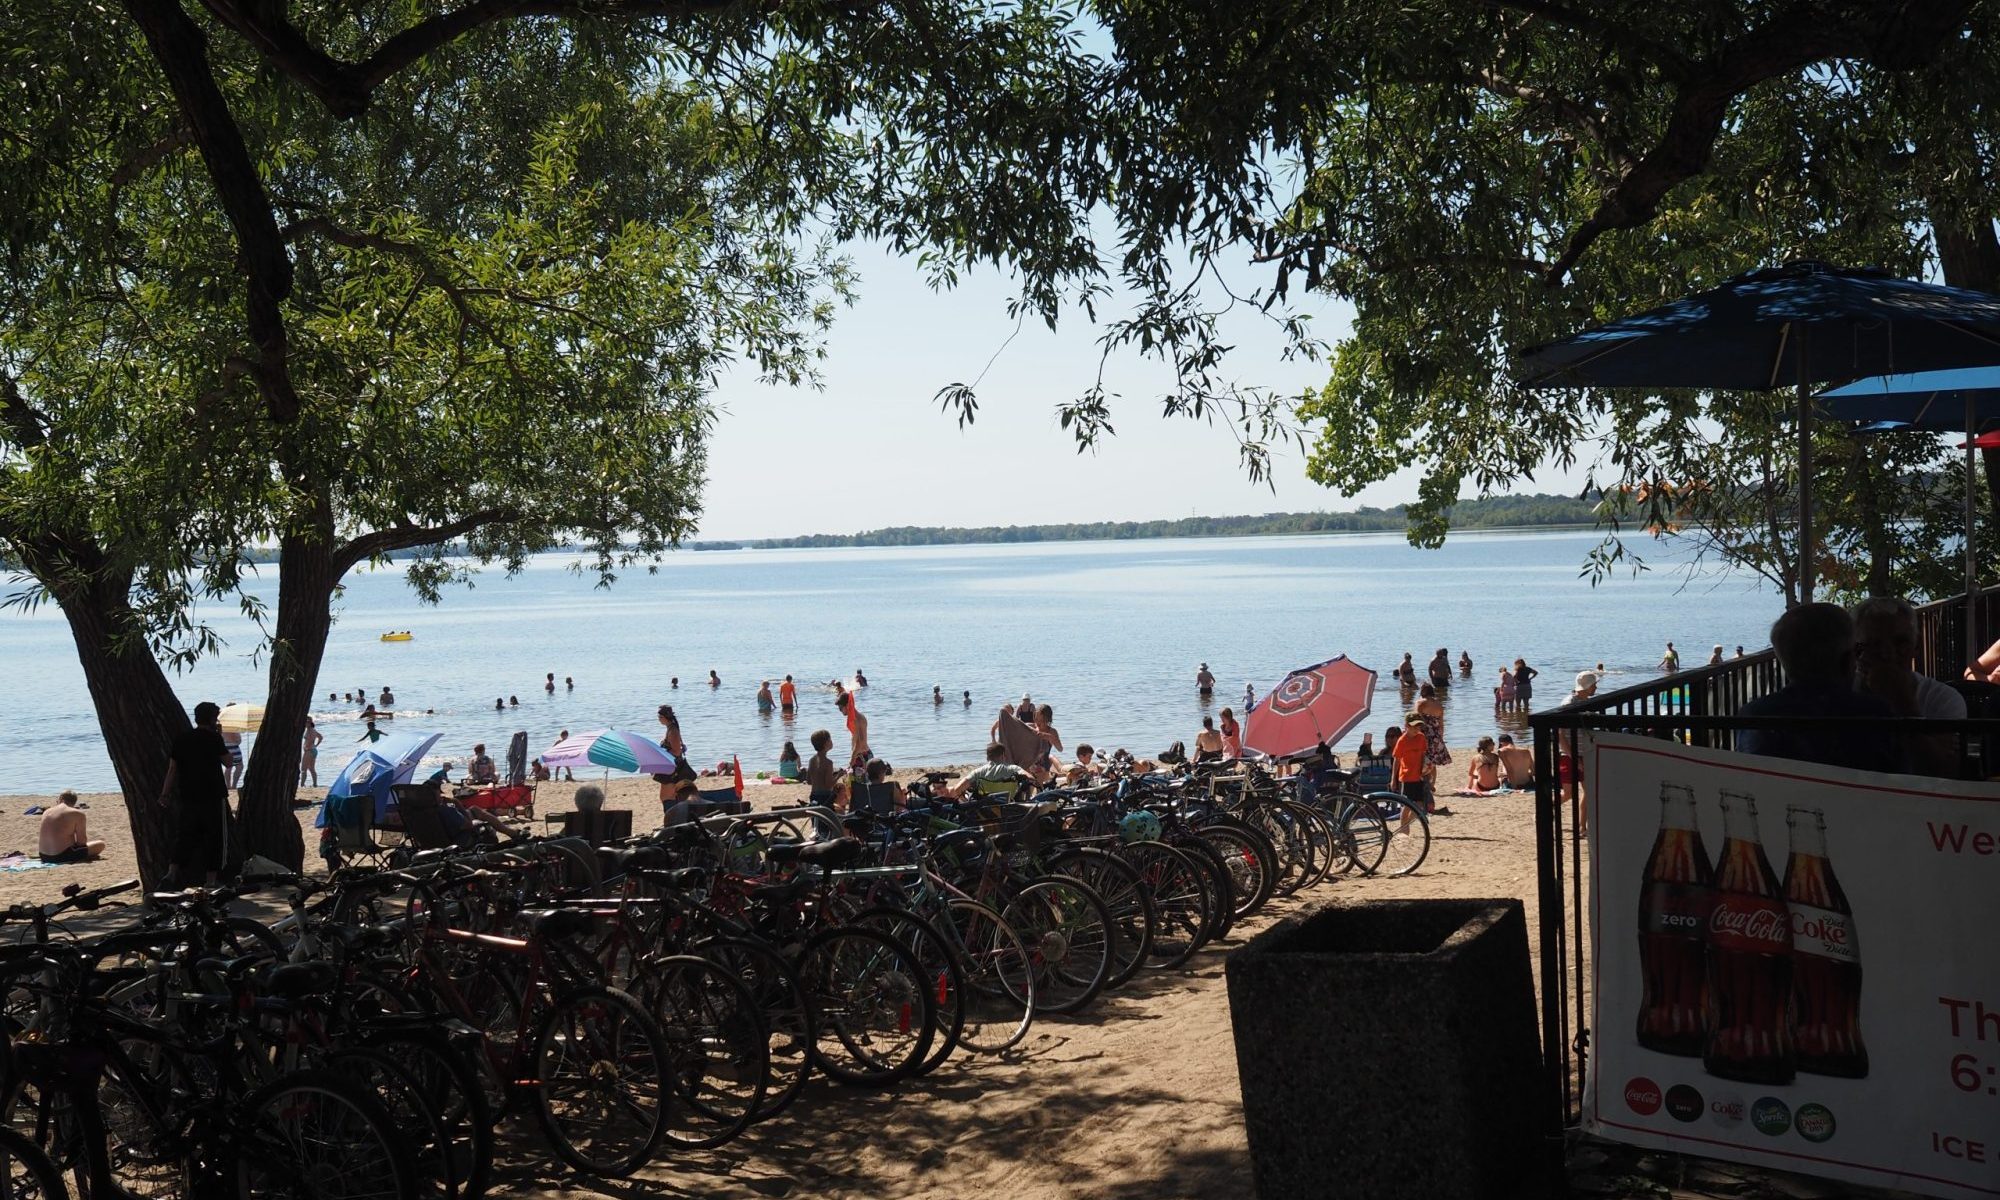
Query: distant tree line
[[1494, 512]]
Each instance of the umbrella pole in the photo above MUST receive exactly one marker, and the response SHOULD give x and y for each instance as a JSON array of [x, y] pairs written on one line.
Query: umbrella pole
[[1972, 646], [1805, 472]]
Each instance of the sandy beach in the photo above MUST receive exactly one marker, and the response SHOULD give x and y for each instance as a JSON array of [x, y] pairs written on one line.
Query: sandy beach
[[1136, 1098]]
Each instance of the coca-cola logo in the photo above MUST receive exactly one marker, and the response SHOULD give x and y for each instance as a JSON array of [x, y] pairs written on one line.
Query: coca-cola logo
[[1762, 923], [1642, 1096]]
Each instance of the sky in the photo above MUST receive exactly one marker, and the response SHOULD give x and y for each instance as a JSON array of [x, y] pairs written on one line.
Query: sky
[[872, 448]]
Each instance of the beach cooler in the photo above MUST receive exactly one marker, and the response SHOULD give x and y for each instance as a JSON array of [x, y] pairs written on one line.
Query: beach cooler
[[717, 802]]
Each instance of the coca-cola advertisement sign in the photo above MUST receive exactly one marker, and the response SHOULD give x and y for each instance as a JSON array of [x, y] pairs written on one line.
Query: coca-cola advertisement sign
[[1792, 965]]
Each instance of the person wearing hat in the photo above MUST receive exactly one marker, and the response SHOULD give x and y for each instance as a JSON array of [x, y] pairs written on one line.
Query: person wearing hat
[[1204, 683], [1586, 687], [196, 772], [1715, 659]]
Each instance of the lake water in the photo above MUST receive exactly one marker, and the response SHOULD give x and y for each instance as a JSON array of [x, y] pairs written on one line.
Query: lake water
[[1110, 633]]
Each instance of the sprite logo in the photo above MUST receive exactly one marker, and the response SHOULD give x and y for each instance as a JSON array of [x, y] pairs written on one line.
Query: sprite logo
[[1770, 1116]]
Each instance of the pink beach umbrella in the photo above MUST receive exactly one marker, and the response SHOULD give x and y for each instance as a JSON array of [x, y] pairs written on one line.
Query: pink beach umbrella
[[1312, 705]]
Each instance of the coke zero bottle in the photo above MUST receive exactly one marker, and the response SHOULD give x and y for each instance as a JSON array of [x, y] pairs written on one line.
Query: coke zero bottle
[[1674, 903], [1826, 959], [1749, 1010]]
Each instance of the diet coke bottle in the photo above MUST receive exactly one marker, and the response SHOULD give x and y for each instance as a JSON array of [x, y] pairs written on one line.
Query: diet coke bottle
[[1674, 904], [1749, 1006], [1826, 959]]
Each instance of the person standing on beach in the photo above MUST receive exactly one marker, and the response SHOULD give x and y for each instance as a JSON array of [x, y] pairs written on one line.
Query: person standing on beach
[[569, 774], [1232, 735], [857, 733], [1440, 669], [678, 786], [1671, 660], [196, 766], [764, 701], [1204, 683], [309, 753], [788, 696], [1411, 756], [822, 777], [1431, 709]]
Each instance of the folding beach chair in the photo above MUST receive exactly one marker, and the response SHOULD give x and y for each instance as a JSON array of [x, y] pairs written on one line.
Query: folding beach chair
[[876, 798], [420, 807], [349, 835]]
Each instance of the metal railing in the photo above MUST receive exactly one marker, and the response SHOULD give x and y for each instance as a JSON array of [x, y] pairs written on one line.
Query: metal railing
[[1698, 708]]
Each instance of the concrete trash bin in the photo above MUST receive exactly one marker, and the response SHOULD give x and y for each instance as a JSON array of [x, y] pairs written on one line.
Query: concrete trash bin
[[1389, 1049]]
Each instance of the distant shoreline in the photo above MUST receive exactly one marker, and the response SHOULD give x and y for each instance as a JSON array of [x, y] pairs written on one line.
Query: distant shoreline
[[1492, 514]]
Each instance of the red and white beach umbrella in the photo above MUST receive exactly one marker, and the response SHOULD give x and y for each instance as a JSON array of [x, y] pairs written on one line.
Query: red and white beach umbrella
[[1312, 705]]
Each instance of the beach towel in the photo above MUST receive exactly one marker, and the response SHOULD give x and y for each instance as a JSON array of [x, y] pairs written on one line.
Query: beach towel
[[18, 861], [1024, 746]]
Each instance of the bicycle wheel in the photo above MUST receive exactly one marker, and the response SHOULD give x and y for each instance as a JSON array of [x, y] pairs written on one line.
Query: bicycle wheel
[[451, 1086], [1221, 886], [1124, 894], [1068, 933], [999, 978], [26, 1172], [1322, 842], [720, 1050], [1407, 834], [403, 1098], [1181, 901], [1250, 859], [787, 1016], [602, 1096], [873, 1017], [1364, 833], [314, 1135], [942, 974], [1280, 828]]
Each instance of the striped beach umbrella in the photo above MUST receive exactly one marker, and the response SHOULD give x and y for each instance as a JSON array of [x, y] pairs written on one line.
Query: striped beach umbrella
[[1312, 705], [615, 749]]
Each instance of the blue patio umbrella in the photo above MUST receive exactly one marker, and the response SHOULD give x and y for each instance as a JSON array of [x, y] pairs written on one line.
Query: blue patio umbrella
[[1795, 325], [1964, 401], [378, 767]]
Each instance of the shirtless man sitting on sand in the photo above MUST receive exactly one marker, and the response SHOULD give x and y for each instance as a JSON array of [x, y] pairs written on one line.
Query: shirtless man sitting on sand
[[1517, 763], [64, 838]]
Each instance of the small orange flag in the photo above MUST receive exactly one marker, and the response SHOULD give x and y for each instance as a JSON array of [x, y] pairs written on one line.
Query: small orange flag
[[739, 775]]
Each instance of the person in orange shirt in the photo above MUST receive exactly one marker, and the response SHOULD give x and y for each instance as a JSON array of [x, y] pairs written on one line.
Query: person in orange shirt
[[788, 696], [1409, 755]]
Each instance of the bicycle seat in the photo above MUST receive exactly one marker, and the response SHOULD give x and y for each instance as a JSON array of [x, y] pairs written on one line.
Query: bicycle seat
[[783, 852], [639, 858], [293, 980], [831, 855], [678, 880], [562, 922], [366, 937]]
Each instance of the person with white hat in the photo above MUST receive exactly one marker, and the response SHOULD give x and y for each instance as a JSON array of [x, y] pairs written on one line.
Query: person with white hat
[[1586, 687]]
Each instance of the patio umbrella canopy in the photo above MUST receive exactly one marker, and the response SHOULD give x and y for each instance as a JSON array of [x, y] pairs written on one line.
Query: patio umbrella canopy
[[1965, 401], [1312, 705], [1795, 325]]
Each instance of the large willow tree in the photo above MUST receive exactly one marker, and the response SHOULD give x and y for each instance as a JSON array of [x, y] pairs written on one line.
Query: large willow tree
[[353, 280]]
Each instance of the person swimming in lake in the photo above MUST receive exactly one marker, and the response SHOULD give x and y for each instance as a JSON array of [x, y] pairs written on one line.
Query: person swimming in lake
[[968, 699], [499, 705], [513, 702], [714, 680], [1464, 665], [860, 680], [765, 701], [549, 683], [937, 694]]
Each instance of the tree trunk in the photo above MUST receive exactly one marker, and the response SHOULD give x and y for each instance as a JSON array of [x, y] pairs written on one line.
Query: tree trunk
[[306, 578], [136, 708]]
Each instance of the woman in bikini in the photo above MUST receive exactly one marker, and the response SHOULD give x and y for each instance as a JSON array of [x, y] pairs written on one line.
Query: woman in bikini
[[1232, 735], [1045, 763]]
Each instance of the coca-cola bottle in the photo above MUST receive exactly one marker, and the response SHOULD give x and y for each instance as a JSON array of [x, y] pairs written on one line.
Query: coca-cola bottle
[[1749, 1010], [1674, 903], [1826, 958]]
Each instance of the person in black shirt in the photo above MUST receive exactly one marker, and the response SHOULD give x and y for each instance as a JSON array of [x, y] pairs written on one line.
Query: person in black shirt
[[196, 765], [1815, 644]]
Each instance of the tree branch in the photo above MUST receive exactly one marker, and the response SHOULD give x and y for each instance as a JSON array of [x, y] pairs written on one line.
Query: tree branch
[[1585, 120], [1799, 37], [182, 53], [1661, 54], [28, 428], [404, 536], [346, 88]]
